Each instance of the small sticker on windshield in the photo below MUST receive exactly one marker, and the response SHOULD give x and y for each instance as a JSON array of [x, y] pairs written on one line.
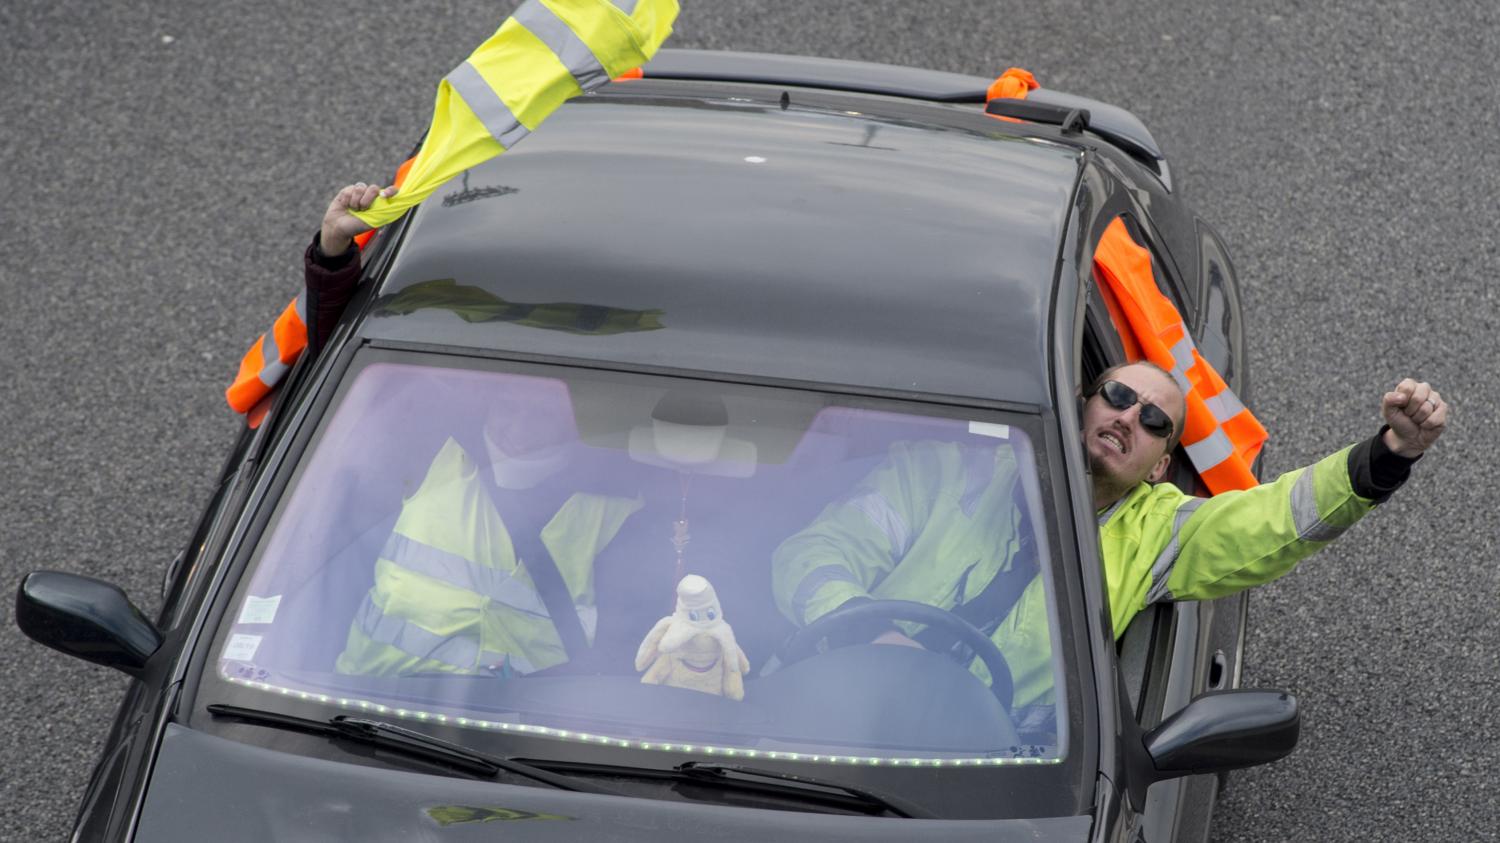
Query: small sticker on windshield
[[990, 429], [241, 648], [259, 609]]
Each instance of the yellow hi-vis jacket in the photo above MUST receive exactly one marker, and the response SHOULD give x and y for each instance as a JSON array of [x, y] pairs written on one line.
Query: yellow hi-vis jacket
[[914, 529], [546, 53], [549, 51], [450, 594]]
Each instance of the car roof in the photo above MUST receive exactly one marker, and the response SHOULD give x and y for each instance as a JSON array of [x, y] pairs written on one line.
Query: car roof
[[835, 238]]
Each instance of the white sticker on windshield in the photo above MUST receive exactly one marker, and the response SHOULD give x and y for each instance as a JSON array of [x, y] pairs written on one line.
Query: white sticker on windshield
[[990, 429], [259, 609], [241, 648]]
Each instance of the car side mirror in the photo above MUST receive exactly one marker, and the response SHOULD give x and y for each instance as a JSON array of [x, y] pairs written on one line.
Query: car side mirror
[[87, 618], [1225, 730]]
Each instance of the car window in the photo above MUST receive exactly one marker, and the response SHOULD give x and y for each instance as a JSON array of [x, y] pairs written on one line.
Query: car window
[[1145, 648], [681, 534]]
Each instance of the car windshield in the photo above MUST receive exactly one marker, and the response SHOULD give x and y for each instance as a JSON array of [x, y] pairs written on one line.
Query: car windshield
[[629, 562]]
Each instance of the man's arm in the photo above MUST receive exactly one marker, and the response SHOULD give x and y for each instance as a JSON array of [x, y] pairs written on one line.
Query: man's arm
[[339, 222], [328, 281], [331, 272], [1241, 539], [858, 540], [331, 266]]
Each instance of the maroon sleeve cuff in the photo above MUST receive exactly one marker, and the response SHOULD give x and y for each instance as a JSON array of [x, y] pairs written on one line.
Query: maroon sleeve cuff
[[330, 284]]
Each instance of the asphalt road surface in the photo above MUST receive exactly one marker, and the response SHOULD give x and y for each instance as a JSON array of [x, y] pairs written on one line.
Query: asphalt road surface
[[163, 163]]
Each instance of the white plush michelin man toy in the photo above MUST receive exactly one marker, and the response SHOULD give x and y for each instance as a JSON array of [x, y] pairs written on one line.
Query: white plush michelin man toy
[[694, 647]]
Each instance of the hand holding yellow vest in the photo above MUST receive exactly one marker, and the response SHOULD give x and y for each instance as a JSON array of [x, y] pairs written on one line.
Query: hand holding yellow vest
[[546, 53]]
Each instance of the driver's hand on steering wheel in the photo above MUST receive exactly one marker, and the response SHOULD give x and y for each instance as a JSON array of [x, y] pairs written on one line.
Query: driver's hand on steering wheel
[[891, 636]]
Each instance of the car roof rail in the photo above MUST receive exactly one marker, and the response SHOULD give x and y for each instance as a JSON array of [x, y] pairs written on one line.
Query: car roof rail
[[1116, 125], [1071, 120]]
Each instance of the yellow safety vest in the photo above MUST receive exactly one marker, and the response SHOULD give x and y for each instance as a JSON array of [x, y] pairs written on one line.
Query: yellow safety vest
[[548, 52], [451, 594]]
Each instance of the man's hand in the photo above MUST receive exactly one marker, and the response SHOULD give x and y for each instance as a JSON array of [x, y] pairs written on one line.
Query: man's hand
[[1417, 416], [894, 637], [339, 223]]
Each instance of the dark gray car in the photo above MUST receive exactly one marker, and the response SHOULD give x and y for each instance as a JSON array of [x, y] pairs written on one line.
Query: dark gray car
[[819, 264]]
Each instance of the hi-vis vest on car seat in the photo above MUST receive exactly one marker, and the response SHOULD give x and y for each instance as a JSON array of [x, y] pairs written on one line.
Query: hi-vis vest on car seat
[[451, 593], [546, 53], [1220, 435]]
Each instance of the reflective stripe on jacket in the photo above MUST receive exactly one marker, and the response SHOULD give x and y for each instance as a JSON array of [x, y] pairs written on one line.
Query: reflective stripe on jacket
[[450, 594], [1161, 544], [1221, 437], [549, 51]]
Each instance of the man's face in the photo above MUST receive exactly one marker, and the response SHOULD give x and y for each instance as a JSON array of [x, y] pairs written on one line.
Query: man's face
[[1121, 452]]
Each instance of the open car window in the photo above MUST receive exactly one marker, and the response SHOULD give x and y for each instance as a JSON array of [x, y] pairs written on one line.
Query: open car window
[[399, 573], [1146, 648]]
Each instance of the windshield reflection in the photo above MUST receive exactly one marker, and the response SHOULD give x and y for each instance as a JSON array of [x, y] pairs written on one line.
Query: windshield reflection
[[657, 564]]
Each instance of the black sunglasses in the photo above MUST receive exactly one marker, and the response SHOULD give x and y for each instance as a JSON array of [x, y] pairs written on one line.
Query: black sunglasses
[[1153, 418]]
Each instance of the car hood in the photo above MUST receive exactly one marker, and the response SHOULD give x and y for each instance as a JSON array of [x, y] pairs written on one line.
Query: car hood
[[204, 787]]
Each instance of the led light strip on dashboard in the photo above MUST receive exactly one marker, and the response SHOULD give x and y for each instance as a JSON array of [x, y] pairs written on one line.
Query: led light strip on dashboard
[[658, 746]]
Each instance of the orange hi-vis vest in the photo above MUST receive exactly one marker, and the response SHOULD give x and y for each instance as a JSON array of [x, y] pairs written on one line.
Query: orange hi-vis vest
[[1015, 83], [270, 357], [547, 52], [1222, 438]]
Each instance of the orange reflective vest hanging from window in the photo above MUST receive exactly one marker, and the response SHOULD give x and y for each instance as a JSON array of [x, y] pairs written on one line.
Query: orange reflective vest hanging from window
[[1222, 438]]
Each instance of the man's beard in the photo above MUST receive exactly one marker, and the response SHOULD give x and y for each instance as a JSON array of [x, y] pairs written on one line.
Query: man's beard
[[1108, 487]]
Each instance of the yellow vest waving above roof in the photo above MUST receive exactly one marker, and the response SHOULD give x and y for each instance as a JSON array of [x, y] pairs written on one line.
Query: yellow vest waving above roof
[[546, 53]]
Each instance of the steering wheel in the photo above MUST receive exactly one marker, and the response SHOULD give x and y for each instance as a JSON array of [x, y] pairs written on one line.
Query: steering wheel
[[805, 642]]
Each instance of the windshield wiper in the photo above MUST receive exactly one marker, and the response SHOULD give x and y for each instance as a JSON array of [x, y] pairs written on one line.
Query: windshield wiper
[[784, 785], [416, 744], [714, 771]]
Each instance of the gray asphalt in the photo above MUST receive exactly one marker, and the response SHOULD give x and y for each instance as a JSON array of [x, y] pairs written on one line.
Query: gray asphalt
[[162, 164]]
